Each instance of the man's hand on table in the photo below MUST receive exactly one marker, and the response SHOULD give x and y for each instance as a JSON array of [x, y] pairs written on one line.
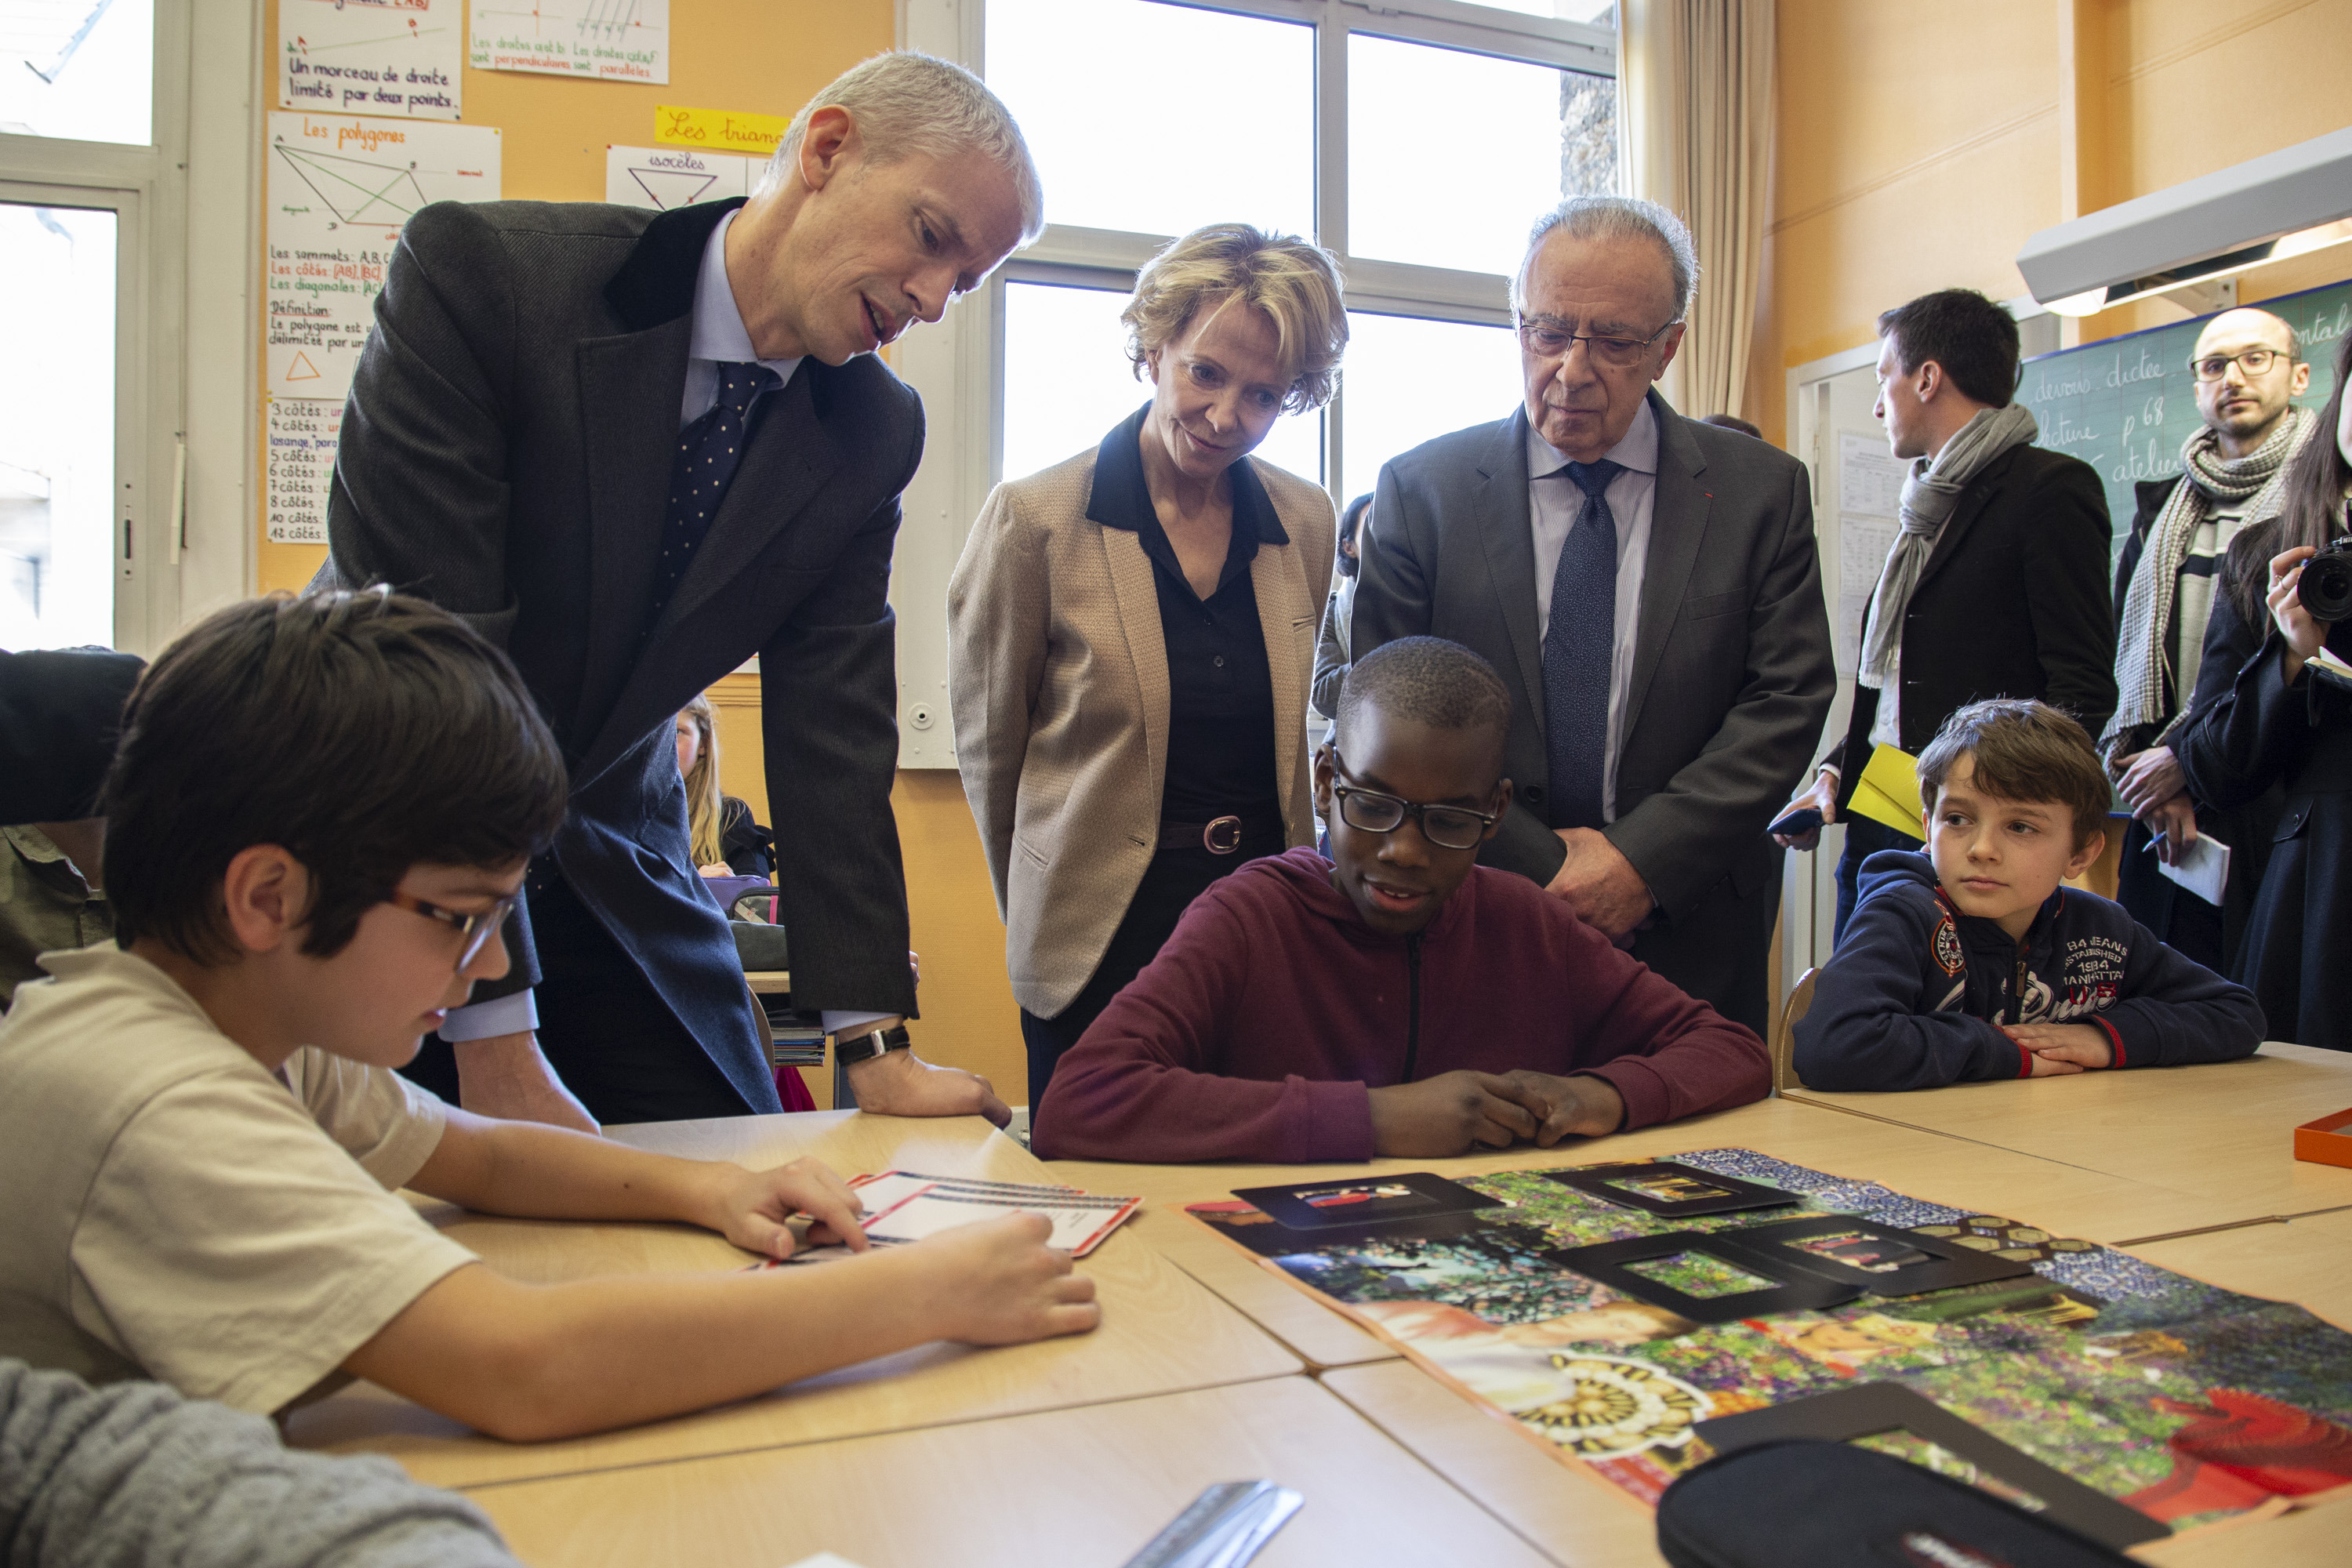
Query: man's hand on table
[[901, 1083], [505, 1076], [750, 1208], [2061, 1048]]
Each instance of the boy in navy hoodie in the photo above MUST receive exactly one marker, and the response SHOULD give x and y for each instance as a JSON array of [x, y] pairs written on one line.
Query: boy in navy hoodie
[[1398, 998], [1973, 961]]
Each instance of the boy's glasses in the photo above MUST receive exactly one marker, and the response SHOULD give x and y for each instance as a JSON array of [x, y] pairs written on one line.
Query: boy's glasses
[[476, 929], [1447, 826]]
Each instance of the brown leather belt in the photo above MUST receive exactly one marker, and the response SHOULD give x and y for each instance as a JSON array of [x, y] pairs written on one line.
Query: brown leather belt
[[1221, 836]]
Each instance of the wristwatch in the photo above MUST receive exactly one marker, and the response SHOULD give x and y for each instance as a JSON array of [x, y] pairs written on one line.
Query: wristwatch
[[848, 1050]]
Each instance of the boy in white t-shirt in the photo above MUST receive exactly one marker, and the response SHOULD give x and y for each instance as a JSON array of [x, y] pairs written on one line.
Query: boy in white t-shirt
[[319, 817]]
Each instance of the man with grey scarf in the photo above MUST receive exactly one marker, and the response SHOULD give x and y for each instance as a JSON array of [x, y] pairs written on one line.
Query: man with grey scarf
[[1996, 585], [2249, 367]]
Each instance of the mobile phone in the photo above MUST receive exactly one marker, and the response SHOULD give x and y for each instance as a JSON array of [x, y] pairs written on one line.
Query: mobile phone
[[1802, 820]]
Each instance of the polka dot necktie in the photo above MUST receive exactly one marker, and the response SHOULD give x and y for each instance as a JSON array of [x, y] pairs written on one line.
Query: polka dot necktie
[[1579, 650], [708, 452]]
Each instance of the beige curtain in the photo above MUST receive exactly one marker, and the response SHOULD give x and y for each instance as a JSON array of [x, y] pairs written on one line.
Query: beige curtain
[[1694, 80]]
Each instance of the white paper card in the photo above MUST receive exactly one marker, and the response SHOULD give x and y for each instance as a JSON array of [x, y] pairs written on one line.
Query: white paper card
[[303, 432], [2203, 869]]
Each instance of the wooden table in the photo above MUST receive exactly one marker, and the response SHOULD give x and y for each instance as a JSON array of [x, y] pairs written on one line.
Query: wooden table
[[1087, 1486], [1161, 1333], [2224, 1131], [1919, 1163], [2307, 1261]]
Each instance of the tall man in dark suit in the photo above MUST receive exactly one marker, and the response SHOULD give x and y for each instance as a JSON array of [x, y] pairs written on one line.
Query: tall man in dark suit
[[1996, 585], [1646, 584], [637, 449]]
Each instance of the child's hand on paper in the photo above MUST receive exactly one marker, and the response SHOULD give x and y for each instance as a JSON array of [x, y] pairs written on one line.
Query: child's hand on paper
[[754, 1207], [999, 1284], [2060, 1049]]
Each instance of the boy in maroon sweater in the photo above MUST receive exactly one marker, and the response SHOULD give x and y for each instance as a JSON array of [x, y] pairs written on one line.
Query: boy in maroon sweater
[[1399, 999]]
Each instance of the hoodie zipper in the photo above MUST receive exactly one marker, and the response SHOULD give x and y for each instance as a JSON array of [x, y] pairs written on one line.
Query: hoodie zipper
[[2016, 998], [1412, 1005]]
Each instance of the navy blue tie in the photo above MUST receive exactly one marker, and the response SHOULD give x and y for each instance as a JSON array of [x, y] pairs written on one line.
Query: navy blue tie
[[1578, 650], [708, 452]]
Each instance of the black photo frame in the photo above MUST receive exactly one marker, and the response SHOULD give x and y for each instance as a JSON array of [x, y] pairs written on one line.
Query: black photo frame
[[1357, 1202], [1942, 1262], [1723, 1195], [1793, 1290], [1870, 1409]]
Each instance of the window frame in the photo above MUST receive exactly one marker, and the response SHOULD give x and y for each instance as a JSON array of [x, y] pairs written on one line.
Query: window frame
[[146, 189], [958, 366]]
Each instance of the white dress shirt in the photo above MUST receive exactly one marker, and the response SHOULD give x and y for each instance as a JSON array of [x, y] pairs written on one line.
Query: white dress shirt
[[719, 336], [1554, 500]]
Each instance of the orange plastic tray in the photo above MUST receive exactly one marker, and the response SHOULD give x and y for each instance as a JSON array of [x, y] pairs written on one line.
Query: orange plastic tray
[[2326, 1141]]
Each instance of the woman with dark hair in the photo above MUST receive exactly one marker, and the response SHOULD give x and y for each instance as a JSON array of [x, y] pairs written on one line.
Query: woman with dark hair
[[1331, 647], [2284, 723]]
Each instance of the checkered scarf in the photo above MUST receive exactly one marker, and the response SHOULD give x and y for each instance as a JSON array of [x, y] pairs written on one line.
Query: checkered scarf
[[2143, 632]]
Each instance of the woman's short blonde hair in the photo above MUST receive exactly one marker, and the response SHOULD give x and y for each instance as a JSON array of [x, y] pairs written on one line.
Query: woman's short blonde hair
[[1295, 283]]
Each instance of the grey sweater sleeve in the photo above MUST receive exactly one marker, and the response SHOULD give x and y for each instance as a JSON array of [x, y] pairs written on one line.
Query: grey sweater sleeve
[[133, 1474]]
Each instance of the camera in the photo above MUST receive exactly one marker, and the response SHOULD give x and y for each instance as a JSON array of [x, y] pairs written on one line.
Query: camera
[[2325, 586]]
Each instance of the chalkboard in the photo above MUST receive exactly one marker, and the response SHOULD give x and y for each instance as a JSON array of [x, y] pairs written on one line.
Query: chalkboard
[[2125, 404]]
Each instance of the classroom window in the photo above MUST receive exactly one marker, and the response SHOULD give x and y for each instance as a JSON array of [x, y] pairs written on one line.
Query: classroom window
[[91, 292], [1417, 140], [57, 280], [78, 70]]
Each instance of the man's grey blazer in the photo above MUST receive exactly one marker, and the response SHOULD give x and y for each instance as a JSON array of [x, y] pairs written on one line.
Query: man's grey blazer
[[507, 454], [1732, 670]]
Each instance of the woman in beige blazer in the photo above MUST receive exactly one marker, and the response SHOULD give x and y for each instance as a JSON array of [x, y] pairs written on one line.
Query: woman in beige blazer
[[1131, 633]]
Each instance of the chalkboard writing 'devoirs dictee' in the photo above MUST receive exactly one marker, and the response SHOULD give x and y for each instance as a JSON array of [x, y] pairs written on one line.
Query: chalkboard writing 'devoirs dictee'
[[2125, 404]]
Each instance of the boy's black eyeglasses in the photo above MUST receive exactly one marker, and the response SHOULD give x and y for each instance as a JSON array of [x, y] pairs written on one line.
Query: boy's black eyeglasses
[[1447, 826], [476, 929]]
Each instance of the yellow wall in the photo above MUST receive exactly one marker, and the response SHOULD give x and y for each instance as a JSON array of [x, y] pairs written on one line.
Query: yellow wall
[[766, 56], [1918, 146]]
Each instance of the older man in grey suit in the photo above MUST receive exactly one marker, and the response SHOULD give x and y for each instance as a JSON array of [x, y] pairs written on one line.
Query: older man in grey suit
[[637, 449], [1648, 584]]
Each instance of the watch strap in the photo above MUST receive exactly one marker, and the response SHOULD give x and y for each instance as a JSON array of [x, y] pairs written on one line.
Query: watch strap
[[850, 1049]]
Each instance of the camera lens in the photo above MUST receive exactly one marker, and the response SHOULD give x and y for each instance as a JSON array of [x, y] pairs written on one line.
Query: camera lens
[[2325, 586]]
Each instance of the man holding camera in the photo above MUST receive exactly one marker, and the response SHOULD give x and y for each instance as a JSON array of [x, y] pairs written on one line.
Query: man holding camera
[[2249, 365]]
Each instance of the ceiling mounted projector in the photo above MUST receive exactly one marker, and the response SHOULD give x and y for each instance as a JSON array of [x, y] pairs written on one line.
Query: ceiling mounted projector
[[2283, 204]]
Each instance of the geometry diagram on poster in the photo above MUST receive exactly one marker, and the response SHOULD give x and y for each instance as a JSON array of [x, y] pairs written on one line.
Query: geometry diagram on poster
[[371, 57], [340, 190], [610, 40], [666, 177], [302, 436]]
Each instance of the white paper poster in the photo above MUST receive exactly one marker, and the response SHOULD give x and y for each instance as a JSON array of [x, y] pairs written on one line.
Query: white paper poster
[[666, 177], [1870, 487], [302, 436], [371, 57], [609, 40], [340, 190]]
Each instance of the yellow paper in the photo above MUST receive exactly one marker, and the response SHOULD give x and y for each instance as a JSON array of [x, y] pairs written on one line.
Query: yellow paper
[[718, 129], [1888, 791]]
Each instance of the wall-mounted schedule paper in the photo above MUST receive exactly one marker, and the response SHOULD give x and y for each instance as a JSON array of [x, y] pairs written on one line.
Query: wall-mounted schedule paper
[[606, 40], [372, 57], [339, 189]]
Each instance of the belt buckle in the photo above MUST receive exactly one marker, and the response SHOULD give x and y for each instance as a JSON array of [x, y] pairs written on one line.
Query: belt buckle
[[1222, 836]]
